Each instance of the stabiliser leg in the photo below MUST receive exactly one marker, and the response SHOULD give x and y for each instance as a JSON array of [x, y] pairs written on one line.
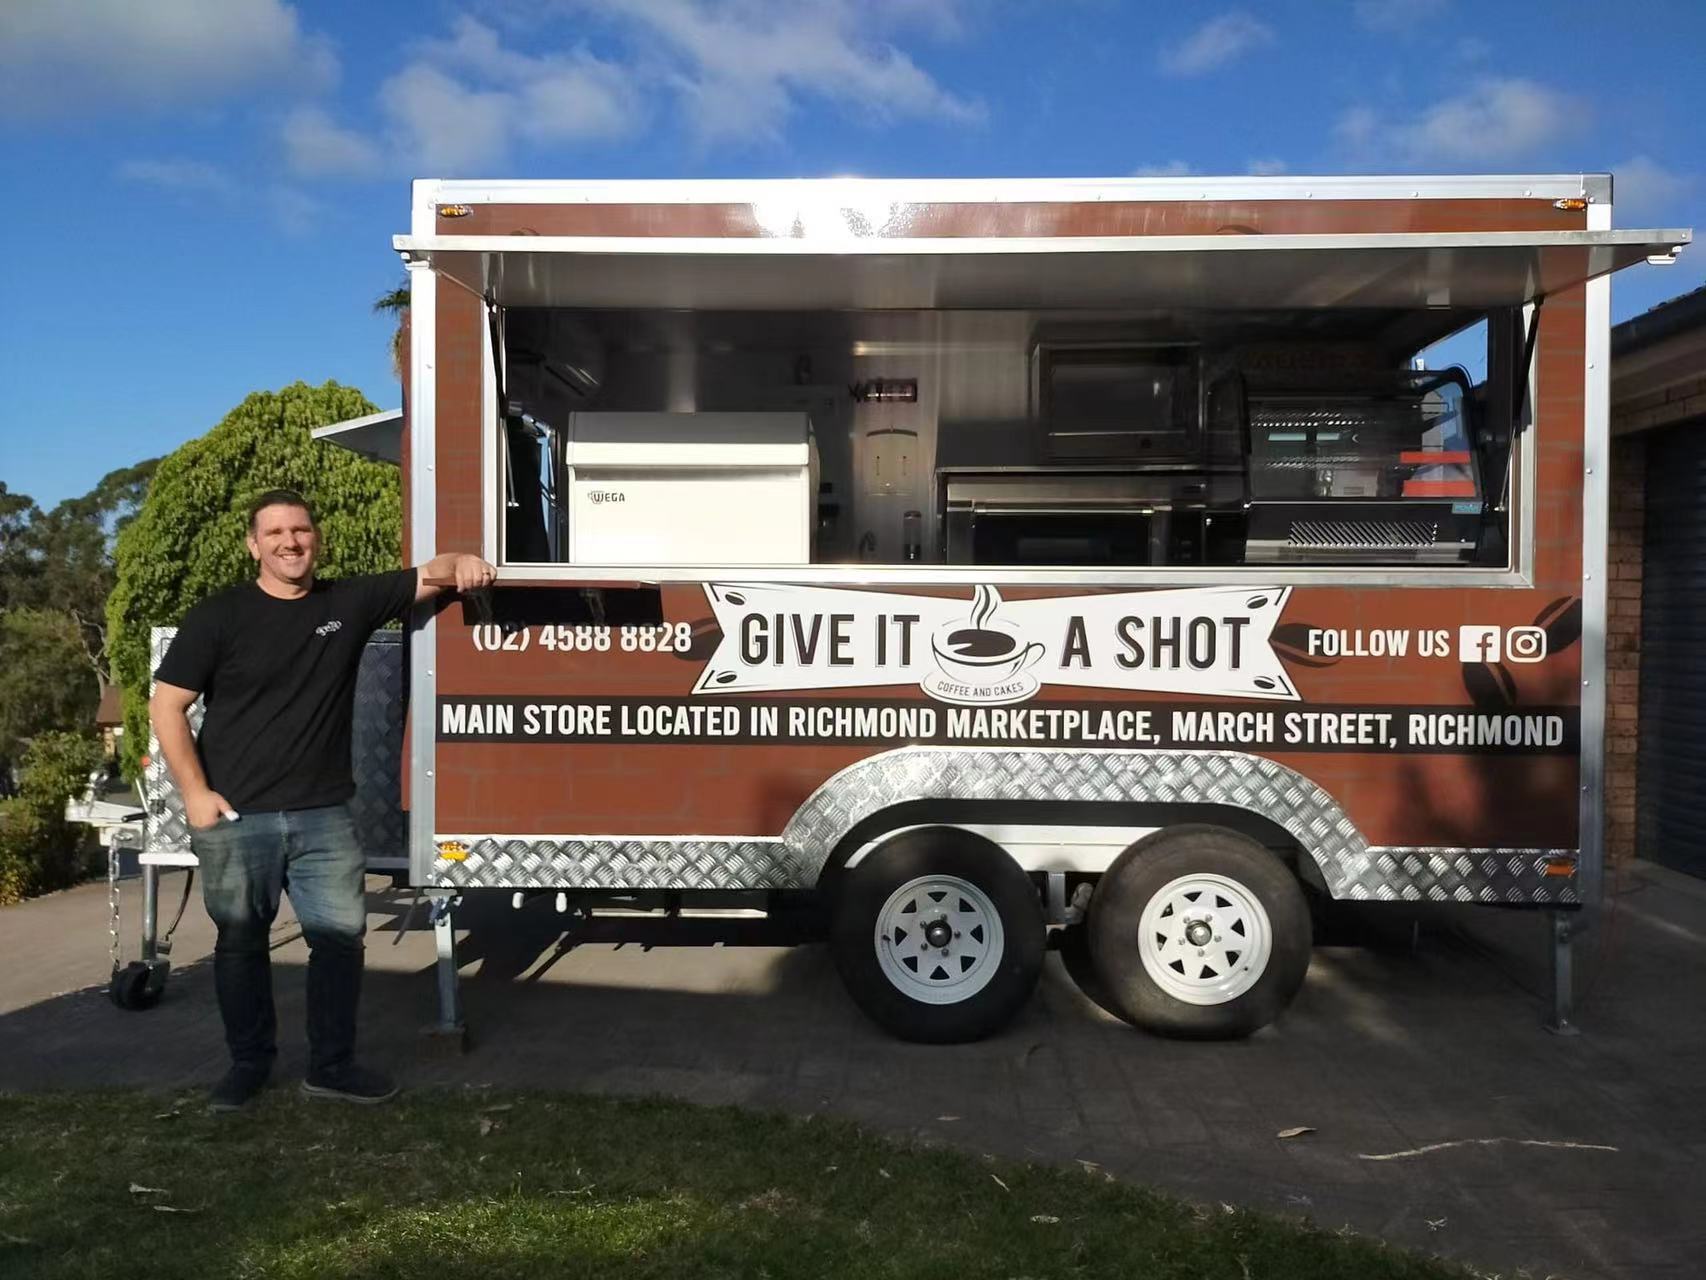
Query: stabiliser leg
[[140, 984], [449, 1031], [1562, 1020]]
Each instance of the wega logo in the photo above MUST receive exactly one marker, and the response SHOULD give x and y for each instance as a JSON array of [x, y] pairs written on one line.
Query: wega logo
[[326, 628], [598, 497]]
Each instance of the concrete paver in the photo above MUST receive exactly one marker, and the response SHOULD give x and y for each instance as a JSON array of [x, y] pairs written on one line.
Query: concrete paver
[[1387, 1050]]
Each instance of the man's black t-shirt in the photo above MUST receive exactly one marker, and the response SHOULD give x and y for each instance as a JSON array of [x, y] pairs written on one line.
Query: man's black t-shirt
[[277, 679]]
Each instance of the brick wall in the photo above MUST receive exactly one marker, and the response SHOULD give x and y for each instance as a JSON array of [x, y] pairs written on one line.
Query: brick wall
[[1623, 643]]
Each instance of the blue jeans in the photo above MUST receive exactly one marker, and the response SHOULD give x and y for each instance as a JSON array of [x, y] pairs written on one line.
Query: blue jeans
[[313, 855]]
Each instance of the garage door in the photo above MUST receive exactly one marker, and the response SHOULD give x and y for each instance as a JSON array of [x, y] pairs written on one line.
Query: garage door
[[1671, 796]]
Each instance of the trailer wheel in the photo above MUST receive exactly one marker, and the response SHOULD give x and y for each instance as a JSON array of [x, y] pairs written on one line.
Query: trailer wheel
[[138, 986], [938, 936], [1200, 933]]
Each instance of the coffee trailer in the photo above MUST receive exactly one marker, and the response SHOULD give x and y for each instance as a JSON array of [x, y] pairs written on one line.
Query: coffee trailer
[[957, 568]]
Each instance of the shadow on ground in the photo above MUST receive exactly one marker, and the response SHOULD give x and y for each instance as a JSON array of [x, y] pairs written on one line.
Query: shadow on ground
[[1430, 1033]]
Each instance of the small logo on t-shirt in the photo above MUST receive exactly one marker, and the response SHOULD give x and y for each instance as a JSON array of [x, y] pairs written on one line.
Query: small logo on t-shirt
[[326, 628]]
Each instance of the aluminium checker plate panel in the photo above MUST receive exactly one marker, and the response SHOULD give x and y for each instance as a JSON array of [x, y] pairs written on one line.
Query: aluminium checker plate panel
[[1351, 868]]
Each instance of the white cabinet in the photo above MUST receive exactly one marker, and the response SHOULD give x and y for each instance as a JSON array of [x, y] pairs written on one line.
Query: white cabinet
[[689, 488]]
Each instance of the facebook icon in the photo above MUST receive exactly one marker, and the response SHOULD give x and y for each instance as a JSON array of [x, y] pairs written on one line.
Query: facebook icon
[[1477, 644]]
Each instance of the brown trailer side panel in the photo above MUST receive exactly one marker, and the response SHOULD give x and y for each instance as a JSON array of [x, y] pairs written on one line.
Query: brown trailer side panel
[[1404, 797]]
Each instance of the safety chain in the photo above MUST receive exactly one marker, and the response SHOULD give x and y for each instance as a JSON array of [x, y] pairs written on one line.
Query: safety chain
[[112, 901]]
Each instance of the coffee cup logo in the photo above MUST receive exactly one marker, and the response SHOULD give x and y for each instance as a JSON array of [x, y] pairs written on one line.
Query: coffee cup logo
[[981, 660]]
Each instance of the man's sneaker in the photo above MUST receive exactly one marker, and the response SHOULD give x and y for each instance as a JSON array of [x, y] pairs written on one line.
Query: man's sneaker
[[237, 1088], [351, 1084]]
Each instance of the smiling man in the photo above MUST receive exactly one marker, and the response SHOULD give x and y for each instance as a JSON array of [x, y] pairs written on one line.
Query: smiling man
[[265, 788]]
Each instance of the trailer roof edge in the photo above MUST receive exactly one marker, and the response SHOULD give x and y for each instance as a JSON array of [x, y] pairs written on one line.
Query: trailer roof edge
[[1595, 187]]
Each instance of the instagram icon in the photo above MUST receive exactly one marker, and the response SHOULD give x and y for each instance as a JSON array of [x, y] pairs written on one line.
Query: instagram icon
[[1525, 644]]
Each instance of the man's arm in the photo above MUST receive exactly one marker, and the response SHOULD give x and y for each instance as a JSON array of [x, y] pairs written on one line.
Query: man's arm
[[168, 709], [466, 571]]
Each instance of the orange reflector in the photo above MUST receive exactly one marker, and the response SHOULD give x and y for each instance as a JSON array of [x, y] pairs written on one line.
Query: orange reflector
[[1570, 204], [454, 211], [1560, 866], [453, 851]]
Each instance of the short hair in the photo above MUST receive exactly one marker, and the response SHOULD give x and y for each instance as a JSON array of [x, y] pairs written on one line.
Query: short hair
[[278, 498]]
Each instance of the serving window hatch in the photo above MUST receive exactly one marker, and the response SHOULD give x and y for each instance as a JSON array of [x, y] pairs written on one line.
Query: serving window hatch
[[1371, 465]]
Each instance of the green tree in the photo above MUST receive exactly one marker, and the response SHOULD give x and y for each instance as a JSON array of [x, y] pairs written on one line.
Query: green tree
[[395, 303], [18, 569], [187, 539], [45, 680], [63, 560]]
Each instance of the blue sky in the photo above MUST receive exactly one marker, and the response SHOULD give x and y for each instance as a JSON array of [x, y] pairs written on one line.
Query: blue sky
[[200, 194]]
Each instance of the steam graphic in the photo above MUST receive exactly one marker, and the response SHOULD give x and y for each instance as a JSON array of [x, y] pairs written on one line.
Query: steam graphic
[[985, 600]]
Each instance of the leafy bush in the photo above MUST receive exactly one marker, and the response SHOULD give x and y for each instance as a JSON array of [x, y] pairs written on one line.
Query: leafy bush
[[39, 849], [187, 539]]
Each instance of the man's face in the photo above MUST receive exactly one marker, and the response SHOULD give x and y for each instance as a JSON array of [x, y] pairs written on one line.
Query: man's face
[[285, 543]]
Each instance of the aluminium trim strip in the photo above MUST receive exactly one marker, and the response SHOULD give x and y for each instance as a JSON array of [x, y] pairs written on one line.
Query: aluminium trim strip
[[1596, 514], [1512, 186], [423, 542], [973, 575], [1667, 238]]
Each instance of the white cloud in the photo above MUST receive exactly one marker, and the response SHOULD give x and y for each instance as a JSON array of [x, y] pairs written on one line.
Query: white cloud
[[316, 146], [1267, 166], [443, 126], [1643, 188], [189, 177], [1357, 128], [1172, 169], [741, 67], [1496, 119], [59, 58], [1217, 42], [1398, 15], [459, 107], [295, 211]]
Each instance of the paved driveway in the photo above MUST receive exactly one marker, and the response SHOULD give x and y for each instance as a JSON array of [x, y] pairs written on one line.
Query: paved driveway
[[1426, 1051]]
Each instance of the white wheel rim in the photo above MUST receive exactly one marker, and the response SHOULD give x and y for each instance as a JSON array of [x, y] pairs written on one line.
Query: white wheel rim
[[939, 939], [1204, 939]]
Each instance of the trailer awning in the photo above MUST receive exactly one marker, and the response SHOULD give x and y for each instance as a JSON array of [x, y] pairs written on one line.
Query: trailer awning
[[1409, 270], [378, 435]]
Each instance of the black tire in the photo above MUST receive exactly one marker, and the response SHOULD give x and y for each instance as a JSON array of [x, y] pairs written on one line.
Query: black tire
[[1011, 975], [1154, 863], [135, 987]]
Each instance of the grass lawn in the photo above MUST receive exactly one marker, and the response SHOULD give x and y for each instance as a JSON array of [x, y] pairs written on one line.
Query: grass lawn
[[481, 1184]]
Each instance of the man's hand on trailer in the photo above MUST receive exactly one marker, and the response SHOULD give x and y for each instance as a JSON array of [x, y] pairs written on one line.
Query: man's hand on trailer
[[453, 570]]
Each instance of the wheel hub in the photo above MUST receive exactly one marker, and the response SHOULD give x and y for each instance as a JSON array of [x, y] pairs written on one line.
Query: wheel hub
[[939, 939], [1205, 939]]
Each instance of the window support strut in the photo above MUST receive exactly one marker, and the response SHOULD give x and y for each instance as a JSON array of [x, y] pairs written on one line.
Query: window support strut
[[1519, 397]]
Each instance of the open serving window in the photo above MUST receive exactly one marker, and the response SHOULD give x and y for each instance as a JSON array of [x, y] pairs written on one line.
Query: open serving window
[[1117, 403]]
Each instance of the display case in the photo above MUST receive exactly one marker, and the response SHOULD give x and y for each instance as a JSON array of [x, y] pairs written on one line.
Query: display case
[[1373, 468]]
